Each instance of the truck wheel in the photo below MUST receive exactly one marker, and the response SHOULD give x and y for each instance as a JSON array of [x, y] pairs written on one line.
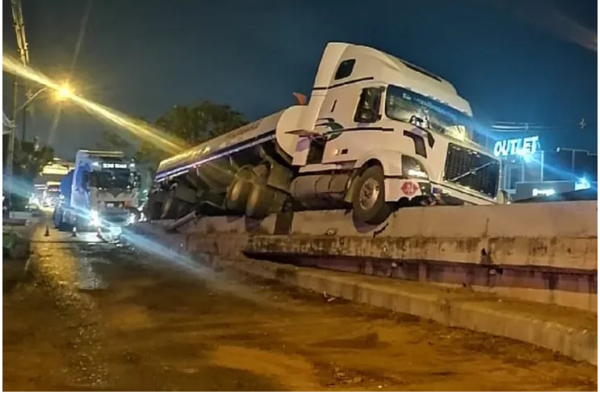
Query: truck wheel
[[59, 224], [80, 224], [153, 209], [368, 200], [239, 191], [259, 202], [170, 208], [184, 208]]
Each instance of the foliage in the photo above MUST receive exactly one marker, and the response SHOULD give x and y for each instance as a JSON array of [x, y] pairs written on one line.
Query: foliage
[[191, 124], [197, 124], [30, 158]]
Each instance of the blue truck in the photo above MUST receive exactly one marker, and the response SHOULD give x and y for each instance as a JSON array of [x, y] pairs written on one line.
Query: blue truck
[[99, 194]]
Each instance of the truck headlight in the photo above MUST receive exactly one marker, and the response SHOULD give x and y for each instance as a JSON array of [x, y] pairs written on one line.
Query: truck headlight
[[411, 168], [94, 218]]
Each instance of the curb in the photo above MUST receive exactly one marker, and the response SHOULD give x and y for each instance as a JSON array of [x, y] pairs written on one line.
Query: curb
[[536, 324]]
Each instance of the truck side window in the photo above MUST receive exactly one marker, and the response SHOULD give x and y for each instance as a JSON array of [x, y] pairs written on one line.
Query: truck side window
[[344, 69], [368, 106]]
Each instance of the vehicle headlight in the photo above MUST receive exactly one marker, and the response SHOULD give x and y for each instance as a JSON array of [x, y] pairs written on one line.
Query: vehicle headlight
[[411, 168], [94, 218]]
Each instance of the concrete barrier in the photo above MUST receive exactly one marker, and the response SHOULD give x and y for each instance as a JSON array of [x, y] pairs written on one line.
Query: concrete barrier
[[533, 220], [543, 252], [570, 332]]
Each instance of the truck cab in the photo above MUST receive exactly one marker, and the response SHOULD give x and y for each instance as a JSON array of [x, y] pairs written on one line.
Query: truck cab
[[103, 191], [378, 133], [371, 107]]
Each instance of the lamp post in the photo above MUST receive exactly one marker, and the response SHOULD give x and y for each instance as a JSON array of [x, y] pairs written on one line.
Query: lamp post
[[61, 92]]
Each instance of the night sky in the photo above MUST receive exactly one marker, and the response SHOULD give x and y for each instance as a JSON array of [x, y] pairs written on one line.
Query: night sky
[[514, 60]]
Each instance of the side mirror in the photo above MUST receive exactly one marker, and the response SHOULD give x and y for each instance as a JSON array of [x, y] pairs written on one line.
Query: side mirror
[[366, 115]]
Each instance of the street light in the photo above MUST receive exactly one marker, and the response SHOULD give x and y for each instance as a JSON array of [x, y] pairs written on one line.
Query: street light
[[64, 92], [61, 92]]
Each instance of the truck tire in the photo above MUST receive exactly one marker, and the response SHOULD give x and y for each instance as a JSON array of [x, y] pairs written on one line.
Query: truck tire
[[368, 199], [259, 201], [80, 224], [239, 191], [171, 207], [59, 224], [153, 209]]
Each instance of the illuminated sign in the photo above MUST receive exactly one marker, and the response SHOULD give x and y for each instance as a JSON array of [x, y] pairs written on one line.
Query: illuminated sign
[[114, 166], [523, 147], [582, 183], [543, 192], [55, 169]]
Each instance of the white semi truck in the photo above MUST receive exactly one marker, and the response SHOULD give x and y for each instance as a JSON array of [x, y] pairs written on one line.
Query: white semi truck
[[377, 133], [100, 193]]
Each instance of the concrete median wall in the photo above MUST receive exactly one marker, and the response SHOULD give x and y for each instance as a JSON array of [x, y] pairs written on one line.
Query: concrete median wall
[[531, 220], [545, 252]]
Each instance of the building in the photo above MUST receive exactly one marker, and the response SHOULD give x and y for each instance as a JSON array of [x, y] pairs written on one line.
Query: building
[[529, 171]]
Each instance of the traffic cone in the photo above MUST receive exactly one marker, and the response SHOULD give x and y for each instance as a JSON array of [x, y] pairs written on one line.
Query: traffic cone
[[47, 233]]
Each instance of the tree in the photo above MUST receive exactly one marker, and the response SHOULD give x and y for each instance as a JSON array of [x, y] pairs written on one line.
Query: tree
[[29, 161], [112, 141], [197, 124], [191, 124]]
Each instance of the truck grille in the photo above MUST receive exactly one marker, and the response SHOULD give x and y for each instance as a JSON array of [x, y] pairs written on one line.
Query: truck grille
[[472, 169]]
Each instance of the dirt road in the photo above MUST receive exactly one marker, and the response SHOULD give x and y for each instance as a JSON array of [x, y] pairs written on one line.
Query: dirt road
[[86, 315]]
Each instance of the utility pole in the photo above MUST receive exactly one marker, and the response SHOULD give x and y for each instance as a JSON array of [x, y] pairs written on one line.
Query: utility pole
[[19, 25], [11, 147]]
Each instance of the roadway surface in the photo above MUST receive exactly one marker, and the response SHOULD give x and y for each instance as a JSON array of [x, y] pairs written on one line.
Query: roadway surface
[[85, 315]]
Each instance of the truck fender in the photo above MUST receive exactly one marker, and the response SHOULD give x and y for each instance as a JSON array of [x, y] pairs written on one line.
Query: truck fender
[[390, 161]]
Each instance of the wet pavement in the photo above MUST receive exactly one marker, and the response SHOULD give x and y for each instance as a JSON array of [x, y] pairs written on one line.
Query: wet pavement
[[85, 315]]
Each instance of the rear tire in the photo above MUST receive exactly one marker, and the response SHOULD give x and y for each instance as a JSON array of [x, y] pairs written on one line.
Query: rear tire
[[259, 202], [368, 199], [154, 207], [239, 191], [170, 208]]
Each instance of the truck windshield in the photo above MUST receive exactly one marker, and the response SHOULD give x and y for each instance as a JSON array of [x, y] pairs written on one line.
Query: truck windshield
[[407, 106], [117, 178], [52, 192]]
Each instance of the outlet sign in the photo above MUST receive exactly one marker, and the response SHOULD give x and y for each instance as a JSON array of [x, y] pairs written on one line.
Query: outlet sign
[[524, 146]]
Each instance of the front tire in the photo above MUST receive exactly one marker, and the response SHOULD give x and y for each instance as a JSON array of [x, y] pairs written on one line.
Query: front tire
[[368, 199], [59, 224]]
